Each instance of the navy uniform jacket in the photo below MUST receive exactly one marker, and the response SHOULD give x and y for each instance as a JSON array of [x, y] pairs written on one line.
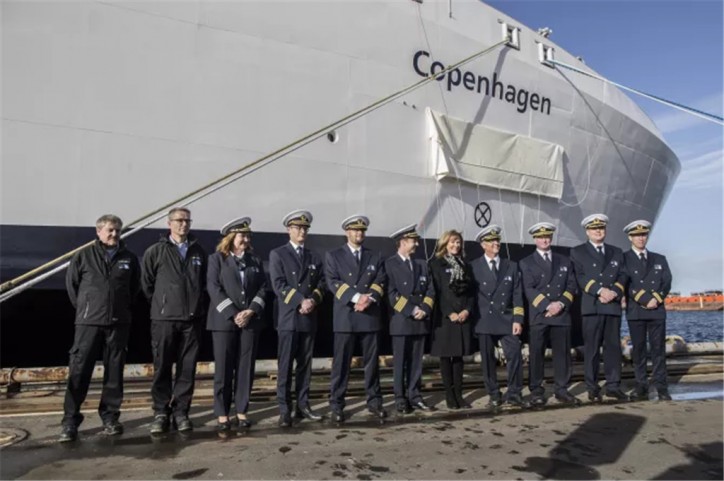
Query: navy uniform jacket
[[229, 296], [541, 287], [646, 281], [294, 280], [406, 290], [593, 273], [500, 302], [345, 279]]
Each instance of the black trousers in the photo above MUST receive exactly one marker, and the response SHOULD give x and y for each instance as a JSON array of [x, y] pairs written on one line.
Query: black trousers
[[597, 331], [656, 331], [560, 337], [511, 350], [451, 371], [407, 368], [299, 347], [344, 343], [234, 362], [88, 344], [174, 342]]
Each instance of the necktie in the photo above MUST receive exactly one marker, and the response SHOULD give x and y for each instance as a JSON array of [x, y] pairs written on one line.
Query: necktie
[[642, 256], [409, 263], [600, 250], [356, 257], [494, 268], [299, 252], [547, 257]]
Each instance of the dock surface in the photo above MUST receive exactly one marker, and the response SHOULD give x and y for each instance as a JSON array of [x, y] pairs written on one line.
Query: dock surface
[[680, 439]]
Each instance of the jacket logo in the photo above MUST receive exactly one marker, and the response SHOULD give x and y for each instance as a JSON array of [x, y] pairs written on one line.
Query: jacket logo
[[423, 278], [508, 278], [370, 268], [124, 264], [614, 263], [564, 269], [313, 267], [657, 267], [196, 261]]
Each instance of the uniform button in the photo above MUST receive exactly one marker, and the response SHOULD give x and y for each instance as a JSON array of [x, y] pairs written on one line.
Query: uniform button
[[404, 283], [294, 273], [350, 273], [548, 285], [484, 283], [548, 295], [491, 302]]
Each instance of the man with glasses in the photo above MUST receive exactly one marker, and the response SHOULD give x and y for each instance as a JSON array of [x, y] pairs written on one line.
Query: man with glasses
[[500, 316], [297, 277], [102, 282], [174, 281], [601, 279]]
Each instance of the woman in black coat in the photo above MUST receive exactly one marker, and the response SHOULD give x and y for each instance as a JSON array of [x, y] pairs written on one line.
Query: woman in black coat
[[452, 327], [237, 287]]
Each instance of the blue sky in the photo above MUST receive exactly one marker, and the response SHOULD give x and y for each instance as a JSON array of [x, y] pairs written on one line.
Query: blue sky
[[672, 49]]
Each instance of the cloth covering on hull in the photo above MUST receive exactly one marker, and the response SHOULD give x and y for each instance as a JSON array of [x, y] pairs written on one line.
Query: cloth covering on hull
[[484, 156]]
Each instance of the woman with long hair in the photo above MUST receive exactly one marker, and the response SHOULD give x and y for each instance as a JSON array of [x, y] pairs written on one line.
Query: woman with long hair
[[237, 287], [451, 324]]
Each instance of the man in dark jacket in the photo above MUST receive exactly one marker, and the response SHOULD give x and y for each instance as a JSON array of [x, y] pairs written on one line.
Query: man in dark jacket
[[549, 285], [297, 277], [174, 282], [500, 316], [649, 284], [356, 276], [601, 279], [102, 282], [410, 293]]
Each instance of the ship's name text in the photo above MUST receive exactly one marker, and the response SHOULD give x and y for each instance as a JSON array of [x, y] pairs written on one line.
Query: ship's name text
[[522, 99]]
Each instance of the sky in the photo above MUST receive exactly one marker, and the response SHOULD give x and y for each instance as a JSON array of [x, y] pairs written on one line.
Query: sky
[[672, 49]]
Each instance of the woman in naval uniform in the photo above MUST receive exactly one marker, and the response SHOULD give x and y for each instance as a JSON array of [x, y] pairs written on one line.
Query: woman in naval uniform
[[237, 287], [451, 326]]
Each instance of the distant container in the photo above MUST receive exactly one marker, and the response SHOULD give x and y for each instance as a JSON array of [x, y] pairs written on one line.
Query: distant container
[[697, 301]]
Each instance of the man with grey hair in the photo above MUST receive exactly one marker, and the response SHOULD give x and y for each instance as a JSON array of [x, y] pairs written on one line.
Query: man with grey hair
[[102, 282], [174, 282]]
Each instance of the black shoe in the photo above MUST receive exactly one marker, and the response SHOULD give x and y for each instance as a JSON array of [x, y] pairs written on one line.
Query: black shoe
[[464, 404], [112, 428], [377, 411], [338, 416], [160, 424], [423, 407], [565, 397], [516, 400], [538, 400], [183, 424], [244, 424], [68, 433], [223, 429], [495, 401], [404, 409], [595, 396], [664, 394], [306, 412], [639, 394], [285, 421], [617, 394]]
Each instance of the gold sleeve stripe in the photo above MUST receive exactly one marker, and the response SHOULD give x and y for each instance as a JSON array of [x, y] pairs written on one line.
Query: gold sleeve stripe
[[619, 285], [401, 302], [657, 296], [568, 296], [318, 292], [341, 290], [638, 295], [429, 301], [378, 289], [539, 298], [518, 311], [290, 294], [590, 283]]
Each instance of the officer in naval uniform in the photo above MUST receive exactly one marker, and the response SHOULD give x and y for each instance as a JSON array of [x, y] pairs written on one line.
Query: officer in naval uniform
[[356, 276], [237, 288], [649, 284], [297, 277], [410, 293], [601, 279], [500, 316], [549, 285]]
